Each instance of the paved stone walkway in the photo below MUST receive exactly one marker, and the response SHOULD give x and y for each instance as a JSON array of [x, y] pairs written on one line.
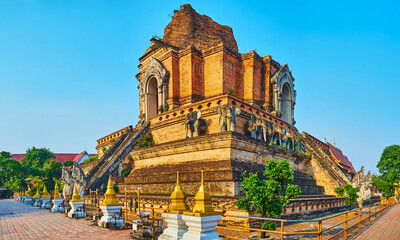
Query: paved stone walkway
[[385, 228], [20, 221]]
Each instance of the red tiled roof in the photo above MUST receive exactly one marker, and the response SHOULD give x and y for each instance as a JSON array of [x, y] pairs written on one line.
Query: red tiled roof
[[76, 158], [60, 157], [339, 159]]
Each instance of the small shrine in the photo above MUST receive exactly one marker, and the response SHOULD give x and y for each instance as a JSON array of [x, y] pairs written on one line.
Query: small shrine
[[76, 205], [173, 215], [111, 208], [57, 201]]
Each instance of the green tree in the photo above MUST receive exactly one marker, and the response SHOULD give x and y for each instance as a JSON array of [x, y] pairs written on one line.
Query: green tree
[[8, 168], [15, 184], [5, 154], [36, 157], [351, 194], [382, 186], [268, 196], [52, 169], [390, 159], [69, 163], [389, 167]]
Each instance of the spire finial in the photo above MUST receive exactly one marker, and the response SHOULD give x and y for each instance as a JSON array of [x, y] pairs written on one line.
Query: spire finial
[[334, 142], [202, 178], [177, 178]]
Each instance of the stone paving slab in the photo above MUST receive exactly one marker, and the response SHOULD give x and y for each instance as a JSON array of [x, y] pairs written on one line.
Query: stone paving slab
[[20, 221], [385, 228]]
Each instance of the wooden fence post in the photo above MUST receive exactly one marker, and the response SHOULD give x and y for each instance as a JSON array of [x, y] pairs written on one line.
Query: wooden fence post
[[345, 226], [359, 222], [369, 213], [282, 230], [319, 230]]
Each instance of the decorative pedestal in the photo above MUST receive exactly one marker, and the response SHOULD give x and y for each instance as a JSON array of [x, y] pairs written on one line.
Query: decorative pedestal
[[73, 213], [29, 201], [46, 203], [57, 206], [201, 228], [108, 216], [37, 202], [176, 227]]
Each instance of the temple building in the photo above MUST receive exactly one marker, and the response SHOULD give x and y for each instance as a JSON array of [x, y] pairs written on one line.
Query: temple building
[[205, 106]]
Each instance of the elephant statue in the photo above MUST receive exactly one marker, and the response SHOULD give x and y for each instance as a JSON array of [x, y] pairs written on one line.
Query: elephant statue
[[194, 125], [289, 139], [250, 127], [227, 120], [257, 128], [278, 134], [263, 129]]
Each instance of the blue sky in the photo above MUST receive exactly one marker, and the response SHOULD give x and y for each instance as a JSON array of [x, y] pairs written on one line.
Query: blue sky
[[67, 68]]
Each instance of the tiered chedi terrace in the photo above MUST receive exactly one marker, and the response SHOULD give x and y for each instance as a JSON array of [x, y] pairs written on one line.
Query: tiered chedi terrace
[[205, 106]]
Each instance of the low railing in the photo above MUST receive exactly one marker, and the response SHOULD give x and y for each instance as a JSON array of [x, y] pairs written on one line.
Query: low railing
[[360, 216]]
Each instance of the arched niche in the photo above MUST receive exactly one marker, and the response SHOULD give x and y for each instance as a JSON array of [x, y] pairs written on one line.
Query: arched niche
[[284, 95], [286, 103], [153, 89]]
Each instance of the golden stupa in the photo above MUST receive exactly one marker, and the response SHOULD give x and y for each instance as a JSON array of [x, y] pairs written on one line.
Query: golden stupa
[[178, 199], [45, 193], [37, 195], [202, 206], [29, 192], [110, 197], [56, 193], [75, 195]]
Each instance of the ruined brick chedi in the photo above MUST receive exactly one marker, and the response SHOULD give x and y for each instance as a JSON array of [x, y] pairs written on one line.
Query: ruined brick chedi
[[205, 106]]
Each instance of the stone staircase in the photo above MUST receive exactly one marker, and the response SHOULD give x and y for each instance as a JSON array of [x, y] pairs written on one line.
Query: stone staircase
[[98, 175], [326, 173], [307, 184]]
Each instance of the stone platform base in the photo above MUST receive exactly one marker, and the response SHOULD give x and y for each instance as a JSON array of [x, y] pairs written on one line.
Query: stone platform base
[[108, 219], [201, 228], [57, 206], [74, 213], [176, 227], [46, 203]]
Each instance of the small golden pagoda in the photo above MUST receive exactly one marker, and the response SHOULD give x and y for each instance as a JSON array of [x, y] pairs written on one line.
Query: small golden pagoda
[[178, 199], [45, 193], [202, 206], [75, 195], [56, 193], [29, 192], [110, 197], [37, 195]]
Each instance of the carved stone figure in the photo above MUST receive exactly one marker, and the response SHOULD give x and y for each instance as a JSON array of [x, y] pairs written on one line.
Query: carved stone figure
[[289, 139], [278, 134], [76, 176], [227, 120], [250, 127], [194, 125], [363, 182], [263, 128]]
